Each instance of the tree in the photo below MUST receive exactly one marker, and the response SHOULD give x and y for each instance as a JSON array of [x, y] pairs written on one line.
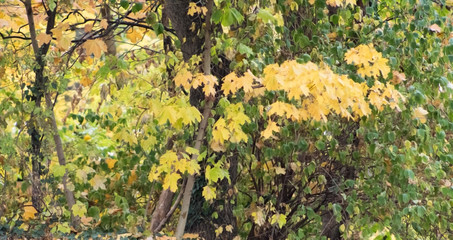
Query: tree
[[281, 119]]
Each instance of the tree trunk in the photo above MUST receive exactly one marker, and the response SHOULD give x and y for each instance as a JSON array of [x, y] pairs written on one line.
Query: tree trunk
[[203, 124], [176, 12], [39, 91]]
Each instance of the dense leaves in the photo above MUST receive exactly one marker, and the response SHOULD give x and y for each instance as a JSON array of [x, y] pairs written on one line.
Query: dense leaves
[[318, 119]]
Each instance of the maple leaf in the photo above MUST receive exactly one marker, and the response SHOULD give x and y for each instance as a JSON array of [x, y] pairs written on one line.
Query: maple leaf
[[398, 77], [132, 178], [220, 132], [229, 84], [82, 174], [369, 61], [217, 146], [43, 38], [270, 81], [259, 216], [79, 209], [279, 108], [183, 78], [420, 114], [168, 158], [280, 219], [271, 127], [247, 81], [110, 162], [209, 193], [29, 211], [193, 9], [216, 173], [86, 220], [171, 181], [98, 182], [134, 35], [104, 24], [88, 27], [168, 113], [95, 47]]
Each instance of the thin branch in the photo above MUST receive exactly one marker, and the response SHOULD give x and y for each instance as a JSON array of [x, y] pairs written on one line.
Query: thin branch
[[173, 208]]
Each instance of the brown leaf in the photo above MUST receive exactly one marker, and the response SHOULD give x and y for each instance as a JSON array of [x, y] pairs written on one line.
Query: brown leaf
[[435, 28], [398, 77], [104, 24], [43, 38], [95, 47]]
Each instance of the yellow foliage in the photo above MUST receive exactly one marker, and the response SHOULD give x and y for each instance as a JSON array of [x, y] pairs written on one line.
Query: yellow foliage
[[369, 61], [29, 212], [340, 3], [173, 166], [230, 128], [318, 91], [420, 114], [271, 127], [110, 162]]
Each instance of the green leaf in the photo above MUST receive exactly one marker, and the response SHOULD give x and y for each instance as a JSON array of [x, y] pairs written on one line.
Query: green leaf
[[124, 4], [227, 18], [243, 49], [237, 15], [79, 209], [265, 15], [137, 7]]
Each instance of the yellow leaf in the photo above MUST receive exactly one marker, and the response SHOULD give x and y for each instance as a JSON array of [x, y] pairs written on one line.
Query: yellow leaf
[[104, 24], [217, 147], [87, 138], [193, 9], [369, 61], [88, 27], [98, 182], [270, 81], [280, 170], [271, 127], [29, 211], [171, 181], [134, 35], [259, 217], [95, 47], [132, 178], [229, 228], [209, 192], [183, 78], [43, 38], [280, 219], [220, 132], [111, 162], [420, 114]]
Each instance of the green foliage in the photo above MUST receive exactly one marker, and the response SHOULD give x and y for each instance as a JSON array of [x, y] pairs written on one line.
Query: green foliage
[[274, 162]]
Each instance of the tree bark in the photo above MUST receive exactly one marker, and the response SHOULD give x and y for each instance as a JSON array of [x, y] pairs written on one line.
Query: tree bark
[[75, 221], [39, 92], [176, 12], [202, 127]]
